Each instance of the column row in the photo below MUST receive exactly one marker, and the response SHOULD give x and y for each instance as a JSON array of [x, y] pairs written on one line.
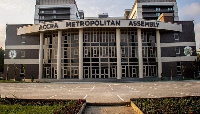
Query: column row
[[118, 48]]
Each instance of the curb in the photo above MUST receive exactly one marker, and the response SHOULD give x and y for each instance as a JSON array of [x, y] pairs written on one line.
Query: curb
[[109, 104], [136, 109], [82, 109]]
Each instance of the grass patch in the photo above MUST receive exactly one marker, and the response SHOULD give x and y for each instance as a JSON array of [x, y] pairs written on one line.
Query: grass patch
[[19, 109], [188, 105], [28, 106], [10, 81]]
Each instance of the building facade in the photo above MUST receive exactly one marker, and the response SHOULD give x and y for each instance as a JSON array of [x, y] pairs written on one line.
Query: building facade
[[152, 9], [55, 10], [99, 48]]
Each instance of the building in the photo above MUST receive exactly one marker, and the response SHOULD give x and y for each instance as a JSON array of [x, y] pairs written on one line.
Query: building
[[55, 10], [152, 9], [100, 48]]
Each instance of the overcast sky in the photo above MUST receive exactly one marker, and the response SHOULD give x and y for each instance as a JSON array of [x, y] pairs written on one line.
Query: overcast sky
[[22, 12]]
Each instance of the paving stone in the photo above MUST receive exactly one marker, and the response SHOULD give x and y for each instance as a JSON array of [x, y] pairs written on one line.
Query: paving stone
[[109, 110]]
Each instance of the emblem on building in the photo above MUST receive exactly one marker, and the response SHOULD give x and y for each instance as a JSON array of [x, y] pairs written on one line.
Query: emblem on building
[[12, 54], [188, 51]]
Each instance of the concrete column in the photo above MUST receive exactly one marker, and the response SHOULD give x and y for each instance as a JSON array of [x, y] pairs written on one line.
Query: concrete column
[[140, 58], [80, 54], [41, 56], [59, 74], [158, 53], [119, 66]]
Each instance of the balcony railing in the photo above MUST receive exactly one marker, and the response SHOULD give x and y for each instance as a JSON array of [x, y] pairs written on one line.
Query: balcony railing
[[51, 13], [157, 11]]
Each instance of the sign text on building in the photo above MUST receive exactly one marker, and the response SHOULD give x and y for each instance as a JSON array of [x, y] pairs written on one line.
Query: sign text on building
[[48, 26], [93, 23], [114, 23], [143, 24]]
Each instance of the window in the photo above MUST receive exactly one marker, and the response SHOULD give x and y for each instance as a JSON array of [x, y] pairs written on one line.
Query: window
[[179, 68], [123, 50], [157, 14], [86, 38], [123, 38], [112, 38], [94, 51], [23, 39], [104, 52], [54, 11], [42, 11], [133, 51], [41, 17], [75, 71], [112, 51], [177, 50], [170, 9], [176, 36], [104, 38], [65, 53], [157, 9], [47, 71], [76, 52], [48, 53], [94, 38], [22, 53], [22, 70], [86, 51], [65, 39], [75, 37], [54, 16], [55, 54]]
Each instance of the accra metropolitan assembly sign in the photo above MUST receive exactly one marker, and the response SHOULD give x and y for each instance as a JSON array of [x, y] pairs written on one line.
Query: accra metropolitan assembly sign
[[67, 24]]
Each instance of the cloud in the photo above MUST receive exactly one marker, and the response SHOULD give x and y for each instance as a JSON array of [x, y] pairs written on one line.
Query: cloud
[[2, 35], [189, 12], [15, 12], [115, 8]]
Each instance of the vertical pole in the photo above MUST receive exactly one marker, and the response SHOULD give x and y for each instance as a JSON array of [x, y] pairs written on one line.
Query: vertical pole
[[59, 55], [140, 58], [119, 66], [80, 54], [159, 53], [41, 56]]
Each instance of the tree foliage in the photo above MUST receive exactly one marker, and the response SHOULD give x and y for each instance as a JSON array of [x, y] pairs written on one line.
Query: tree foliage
[[1, 59]]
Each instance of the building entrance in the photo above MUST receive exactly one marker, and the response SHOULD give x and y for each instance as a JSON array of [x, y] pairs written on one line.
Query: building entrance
[[99, 54]]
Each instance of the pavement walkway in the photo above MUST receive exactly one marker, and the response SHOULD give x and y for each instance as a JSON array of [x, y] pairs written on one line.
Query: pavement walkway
[[109, 110], [100, 92]]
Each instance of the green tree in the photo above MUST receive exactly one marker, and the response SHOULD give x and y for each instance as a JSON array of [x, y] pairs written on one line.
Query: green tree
[[1, 59]]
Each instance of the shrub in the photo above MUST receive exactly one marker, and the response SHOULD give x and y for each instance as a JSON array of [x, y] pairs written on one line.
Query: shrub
[[187, 105]]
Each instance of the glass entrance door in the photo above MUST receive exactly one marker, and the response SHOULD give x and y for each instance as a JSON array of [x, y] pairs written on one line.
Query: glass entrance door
[[113, 72], [95, 72]]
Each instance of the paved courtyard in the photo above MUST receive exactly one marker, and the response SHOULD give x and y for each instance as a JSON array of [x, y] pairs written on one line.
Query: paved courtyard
[[100, 92]]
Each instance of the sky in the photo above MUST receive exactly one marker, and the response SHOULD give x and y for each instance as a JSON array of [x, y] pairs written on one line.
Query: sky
[[22, 12]]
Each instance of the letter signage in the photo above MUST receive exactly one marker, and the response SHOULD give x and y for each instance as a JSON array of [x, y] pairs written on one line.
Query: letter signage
[[120, 23], [96, 23], [143, 24], [48, 26]]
